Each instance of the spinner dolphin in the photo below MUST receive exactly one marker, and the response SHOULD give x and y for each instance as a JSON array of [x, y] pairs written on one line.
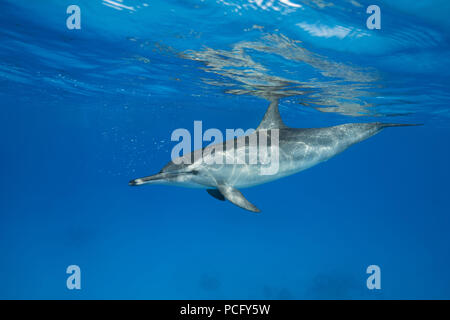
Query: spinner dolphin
[[297, 149]]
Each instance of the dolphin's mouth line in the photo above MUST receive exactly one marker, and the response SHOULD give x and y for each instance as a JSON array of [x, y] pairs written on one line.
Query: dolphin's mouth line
[[144, 180], [156, 177]]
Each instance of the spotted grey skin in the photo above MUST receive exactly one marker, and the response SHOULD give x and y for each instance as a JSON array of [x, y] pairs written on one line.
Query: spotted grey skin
[[297, 149]]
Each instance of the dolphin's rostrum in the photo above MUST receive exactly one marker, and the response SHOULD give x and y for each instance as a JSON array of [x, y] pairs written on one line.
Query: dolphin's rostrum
[[297, 149]]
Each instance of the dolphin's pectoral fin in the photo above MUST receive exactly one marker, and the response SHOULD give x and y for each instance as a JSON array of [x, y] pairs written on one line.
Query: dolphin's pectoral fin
[[235, 196], [216, 194], [272, 118]]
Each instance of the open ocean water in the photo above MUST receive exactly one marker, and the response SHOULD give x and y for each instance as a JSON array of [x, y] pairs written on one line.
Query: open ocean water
[[83, 111]]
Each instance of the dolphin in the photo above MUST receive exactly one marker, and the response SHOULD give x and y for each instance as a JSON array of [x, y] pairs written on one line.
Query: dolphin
[[297, 149]]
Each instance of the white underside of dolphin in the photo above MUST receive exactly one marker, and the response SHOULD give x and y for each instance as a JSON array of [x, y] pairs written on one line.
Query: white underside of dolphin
[[297, 149]]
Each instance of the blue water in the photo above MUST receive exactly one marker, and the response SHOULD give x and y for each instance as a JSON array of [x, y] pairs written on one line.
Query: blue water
[[84, 111]]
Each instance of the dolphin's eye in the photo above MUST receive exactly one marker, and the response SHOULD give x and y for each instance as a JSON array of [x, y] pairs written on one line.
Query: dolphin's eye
[[195, 172]]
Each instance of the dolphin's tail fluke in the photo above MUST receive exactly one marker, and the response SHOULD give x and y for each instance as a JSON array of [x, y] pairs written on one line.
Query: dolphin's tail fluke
[[386, 125]]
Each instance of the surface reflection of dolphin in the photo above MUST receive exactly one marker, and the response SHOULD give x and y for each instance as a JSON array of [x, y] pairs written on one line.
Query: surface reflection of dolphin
[[297, 149]]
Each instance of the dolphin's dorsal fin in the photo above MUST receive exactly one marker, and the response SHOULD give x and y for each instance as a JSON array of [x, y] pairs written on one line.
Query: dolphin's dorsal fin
[[235, 196], [272, 118]]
